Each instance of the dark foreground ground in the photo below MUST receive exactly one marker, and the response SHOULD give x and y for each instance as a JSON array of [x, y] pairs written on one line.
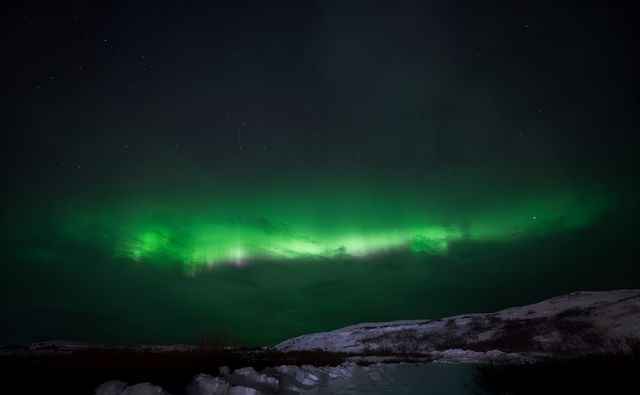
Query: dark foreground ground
[[82, 371], [596, 374]]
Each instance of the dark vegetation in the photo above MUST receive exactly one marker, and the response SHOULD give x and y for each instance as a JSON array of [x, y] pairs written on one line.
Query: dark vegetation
[[80, 372], [564, 333], [610, 373], [573, 336]]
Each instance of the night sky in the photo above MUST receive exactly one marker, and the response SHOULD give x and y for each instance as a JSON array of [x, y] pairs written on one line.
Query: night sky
[[268, 169]]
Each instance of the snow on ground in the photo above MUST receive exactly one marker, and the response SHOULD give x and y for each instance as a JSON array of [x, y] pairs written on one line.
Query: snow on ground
[[347, 378], [579, 322]]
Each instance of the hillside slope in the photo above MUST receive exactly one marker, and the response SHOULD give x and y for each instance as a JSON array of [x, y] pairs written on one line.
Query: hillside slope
[[574, 324]]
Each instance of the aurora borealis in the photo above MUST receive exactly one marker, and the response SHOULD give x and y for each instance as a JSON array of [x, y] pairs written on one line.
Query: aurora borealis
[[288, 229], [268, 169]]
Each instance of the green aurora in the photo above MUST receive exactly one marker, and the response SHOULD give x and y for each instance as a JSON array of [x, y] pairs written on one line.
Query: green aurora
[[164, 271], [210, 233]]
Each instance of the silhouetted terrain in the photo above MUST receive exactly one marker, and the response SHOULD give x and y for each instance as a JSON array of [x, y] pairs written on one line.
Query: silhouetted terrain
[[584, 342], [612, 373]]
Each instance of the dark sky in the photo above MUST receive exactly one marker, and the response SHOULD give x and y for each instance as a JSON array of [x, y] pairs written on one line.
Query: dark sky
[[271, 168]]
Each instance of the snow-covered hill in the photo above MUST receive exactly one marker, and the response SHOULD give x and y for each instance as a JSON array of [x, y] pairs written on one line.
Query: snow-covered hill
[[573, 324]]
